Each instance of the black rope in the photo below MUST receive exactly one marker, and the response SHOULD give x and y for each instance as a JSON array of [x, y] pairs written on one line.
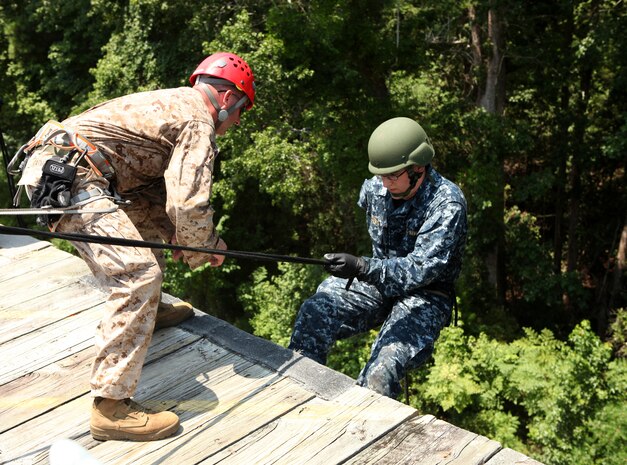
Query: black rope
[[158, 245]]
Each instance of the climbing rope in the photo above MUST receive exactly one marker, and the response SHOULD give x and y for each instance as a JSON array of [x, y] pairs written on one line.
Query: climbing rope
[[13, 230]]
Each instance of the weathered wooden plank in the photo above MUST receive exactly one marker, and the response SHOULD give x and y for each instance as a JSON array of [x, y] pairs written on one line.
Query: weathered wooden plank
[[18, 292], [45, 306], [9, 256], [42, 280], [24, 443], [48, 345], [182, 375], [32, 261], [368, 416], [237, 410], [174, 380], [43, 390], [397, 444], [511, 457], [38, 283], [470, 448], [30, 441], [428, 441], [14, 246], [218, 412], [232, 409], [319, 432]]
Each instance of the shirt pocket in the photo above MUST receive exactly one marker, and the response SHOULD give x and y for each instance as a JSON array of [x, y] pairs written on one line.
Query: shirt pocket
[[376, 228]]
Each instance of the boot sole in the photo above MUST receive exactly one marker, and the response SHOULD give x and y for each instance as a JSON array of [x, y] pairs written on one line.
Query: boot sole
[[117, 435]]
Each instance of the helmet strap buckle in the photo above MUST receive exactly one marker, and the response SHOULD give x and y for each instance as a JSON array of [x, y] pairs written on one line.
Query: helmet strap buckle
[[222, 113]]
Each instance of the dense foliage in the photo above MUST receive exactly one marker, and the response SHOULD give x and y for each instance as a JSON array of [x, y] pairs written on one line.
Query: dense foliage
[[526, 105]]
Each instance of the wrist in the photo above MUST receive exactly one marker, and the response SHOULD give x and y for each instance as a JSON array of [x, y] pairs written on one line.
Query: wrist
[[213, 241], [364, 267]]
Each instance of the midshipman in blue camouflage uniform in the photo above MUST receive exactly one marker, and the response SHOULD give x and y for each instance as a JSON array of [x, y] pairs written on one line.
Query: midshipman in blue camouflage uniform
[[417, 223]]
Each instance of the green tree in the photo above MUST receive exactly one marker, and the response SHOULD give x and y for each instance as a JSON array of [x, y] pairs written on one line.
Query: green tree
[[525, 104], [538, 394]]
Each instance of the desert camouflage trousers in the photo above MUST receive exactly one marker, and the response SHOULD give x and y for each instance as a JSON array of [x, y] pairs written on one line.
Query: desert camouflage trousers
[[409, 328], [133, 277]]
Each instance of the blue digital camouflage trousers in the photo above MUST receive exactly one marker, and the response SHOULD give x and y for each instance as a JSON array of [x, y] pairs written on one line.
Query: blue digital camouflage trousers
[[409, 328]]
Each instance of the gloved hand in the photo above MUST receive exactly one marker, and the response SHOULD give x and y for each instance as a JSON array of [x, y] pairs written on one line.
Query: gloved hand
[[343, 265]]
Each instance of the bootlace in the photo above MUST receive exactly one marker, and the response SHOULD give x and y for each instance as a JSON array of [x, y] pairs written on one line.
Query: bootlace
[[135, 407]]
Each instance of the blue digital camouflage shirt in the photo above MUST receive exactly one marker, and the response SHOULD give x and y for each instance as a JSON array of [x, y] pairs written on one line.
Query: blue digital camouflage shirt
[[419, 244], [407, 290]]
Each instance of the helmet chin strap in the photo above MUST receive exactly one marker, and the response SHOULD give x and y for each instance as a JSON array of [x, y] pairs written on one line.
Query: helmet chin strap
[[414, 177], [222, 113]]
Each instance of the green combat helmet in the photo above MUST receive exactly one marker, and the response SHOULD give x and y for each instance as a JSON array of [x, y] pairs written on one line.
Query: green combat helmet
[[396, 144]]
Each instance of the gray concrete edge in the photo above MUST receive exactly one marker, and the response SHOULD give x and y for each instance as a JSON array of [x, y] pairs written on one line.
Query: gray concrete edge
[[318, 379]]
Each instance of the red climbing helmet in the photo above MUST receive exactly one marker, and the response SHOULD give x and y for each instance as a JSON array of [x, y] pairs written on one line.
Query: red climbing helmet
[[228, 66]]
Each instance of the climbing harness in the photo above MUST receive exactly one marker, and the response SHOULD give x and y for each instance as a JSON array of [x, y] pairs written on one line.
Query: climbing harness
[[55, 154]]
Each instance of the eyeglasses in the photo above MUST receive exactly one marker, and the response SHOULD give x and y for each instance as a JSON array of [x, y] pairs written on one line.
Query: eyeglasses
[[393, 176]]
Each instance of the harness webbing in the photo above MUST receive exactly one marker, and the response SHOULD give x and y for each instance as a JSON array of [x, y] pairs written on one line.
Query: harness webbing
[[157, 245]]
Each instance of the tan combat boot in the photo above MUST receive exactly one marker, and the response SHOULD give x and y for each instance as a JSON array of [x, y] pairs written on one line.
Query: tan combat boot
[[172, 314], [127, 420]]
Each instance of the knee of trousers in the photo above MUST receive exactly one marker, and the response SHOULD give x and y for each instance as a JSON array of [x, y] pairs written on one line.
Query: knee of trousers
[[318, 307], [153, 278], [308, 325], [313, 330], [145, 280], [383, 379], [388, 365]]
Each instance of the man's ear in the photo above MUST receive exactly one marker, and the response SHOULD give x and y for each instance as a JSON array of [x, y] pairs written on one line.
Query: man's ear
[[225, 97]]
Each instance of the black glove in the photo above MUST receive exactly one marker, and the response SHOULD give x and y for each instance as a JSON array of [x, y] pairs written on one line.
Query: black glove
[[344, 265]]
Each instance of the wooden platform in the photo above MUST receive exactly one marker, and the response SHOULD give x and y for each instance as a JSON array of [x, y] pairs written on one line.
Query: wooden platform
[[241, 399]]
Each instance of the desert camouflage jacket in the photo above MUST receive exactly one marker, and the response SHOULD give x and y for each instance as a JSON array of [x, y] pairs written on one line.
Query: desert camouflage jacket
[[163, 136]]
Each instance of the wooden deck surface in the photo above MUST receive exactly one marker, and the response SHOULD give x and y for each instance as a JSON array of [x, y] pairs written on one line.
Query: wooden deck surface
[[241, 400]]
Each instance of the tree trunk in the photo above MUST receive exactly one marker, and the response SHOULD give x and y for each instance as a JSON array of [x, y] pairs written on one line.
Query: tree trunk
[[619, 269], [560, 181], [475, 38], [491, 97], [578, 143], [608, 292]]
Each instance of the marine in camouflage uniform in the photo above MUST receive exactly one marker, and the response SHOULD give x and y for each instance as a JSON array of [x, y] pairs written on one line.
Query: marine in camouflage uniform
[[418, 236], [161, 145]]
